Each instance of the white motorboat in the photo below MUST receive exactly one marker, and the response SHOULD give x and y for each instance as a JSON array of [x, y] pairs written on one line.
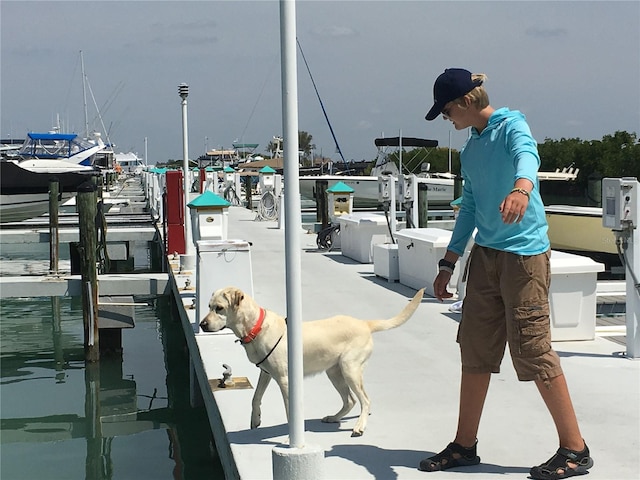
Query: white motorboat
[[578, 229], [25, 174], [440, 190], [574, 228], [24, 190], [440, 186], [59, 147]]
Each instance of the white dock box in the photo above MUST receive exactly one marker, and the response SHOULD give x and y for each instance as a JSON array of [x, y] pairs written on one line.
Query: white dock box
[[385, 261], [221, 263], [572, 296], [359, 232], [419, 250]]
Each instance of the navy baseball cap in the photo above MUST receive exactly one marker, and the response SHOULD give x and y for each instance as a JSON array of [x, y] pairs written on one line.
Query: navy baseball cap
[[452, 84]]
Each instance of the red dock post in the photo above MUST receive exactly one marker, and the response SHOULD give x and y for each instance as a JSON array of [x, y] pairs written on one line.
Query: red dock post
[[174, 212]]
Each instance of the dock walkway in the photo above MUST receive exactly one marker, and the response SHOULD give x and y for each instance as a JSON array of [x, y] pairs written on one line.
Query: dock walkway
[[412, 379]]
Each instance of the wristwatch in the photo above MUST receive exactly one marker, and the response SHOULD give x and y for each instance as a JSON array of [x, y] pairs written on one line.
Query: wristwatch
[[446, 265]]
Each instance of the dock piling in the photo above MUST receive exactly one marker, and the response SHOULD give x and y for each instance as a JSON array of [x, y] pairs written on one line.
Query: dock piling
[[322, 208], [54, 238], [423, 206], [247, 192], [87, 211]]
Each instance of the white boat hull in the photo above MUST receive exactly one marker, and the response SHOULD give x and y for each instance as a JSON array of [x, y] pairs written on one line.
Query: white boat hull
[[24, 191], [15, 208], [578, 229]]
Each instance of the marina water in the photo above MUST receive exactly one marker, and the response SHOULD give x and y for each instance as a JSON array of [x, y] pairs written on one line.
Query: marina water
[[127, 416]]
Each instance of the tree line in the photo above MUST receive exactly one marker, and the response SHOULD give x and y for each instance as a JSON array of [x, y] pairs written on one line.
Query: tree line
[[616, 155]]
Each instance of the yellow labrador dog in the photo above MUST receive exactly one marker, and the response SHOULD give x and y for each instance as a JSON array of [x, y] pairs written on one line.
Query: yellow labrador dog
[[338, 345]]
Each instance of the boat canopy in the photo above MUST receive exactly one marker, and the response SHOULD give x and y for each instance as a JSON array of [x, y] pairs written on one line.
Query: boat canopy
[[60, 146], [406, 142], [245, 145], [220, 153], [52, 136]]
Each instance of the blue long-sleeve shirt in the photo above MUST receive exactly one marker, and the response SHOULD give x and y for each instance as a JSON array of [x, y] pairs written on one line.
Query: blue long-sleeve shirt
[[491, 163]]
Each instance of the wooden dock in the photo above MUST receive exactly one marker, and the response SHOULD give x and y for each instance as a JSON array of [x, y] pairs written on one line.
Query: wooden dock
[[129, 233], [69, 285]]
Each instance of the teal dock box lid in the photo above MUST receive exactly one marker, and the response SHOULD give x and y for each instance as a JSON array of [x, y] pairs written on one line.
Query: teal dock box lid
[[267, 169], [228, 169], [457, 202], [208, 200], [340, 187]]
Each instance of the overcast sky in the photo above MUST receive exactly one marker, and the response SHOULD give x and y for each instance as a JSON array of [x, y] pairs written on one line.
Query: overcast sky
[[573, 68]]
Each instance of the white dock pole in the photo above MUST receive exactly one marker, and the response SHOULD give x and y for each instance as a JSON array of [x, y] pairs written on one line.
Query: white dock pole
[[633, 295], [298, 460], [292, 218], [393, 213], [188, 260], [400, 153]]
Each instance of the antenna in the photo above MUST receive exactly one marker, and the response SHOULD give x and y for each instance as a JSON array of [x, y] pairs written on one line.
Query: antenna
[[84, 97], [335, 140]]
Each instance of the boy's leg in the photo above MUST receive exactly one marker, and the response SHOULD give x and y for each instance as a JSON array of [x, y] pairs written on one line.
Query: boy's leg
[[482, 337], [573, 456], [473, 392], [555, 394]]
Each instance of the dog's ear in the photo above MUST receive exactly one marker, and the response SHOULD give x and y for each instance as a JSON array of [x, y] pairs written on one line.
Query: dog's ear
[[235, 297]]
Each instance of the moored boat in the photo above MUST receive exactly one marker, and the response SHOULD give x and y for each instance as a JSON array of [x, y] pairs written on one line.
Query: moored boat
[[440, 187], [579, 229], [64, 147], [575, 227], [24, 192], [439, 190]]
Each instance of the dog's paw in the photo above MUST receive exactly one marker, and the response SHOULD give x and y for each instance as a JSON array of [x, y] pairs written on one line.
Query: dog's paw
[[255, 421], [360, 427], [331, 419]]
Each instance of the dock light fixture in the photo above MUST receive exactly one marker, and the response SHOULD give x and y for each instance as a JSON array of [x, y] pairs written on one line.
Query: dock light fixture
[[183, 91]]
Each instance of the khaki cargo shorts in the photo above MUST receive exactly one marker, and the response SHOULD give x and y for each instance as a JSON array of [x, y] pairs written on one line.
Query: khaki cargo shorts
[[507, 300]]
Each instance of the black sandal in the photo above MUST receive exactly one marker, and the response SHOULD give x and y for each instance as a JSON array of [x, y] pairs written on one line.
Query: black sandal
[[455, 455], [559, 466]]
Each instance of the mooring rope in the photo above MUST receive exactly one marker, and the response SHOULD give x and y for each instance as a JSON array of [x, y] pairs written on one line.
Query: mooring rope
[[268, 207]]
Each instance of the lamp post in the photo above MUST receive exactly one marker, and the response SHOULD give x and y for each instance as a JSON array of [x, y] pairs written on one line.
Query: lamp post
[[183, 91]]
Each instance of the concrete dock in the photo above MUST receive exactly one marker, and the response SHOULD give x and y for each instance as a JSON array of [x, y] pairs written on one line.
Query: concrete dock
[[412, 379]]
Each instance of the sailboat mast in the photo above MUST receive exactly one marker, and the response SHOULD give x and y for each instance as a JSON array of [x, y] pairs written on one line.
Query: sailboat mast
[[335, 140], [84, 97]]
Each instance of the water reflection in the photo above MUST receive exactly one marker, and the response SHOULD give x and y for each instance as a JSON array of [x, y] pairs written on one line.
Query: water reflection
[[127, 413]]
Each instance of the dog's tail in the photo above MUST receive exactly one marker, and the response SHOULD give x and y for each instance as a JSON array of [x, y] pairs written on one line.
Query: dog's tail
[[403, 316]]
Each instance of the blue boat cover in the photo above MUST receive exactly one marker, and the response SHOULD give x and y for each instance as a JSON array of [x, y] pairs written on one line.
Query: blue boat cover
[[52, 136]]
